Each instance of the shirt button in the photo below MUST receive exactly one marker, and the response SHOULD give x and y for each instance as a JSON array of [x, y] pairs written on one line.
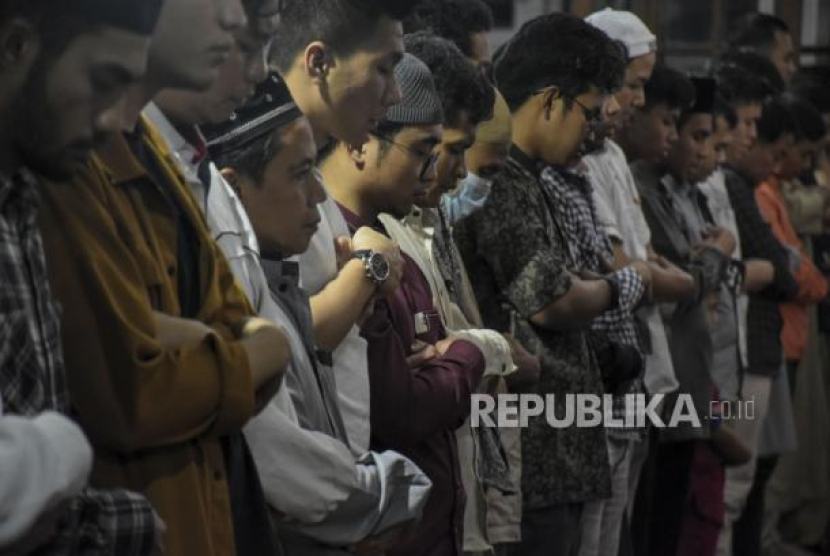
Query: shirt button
[[217, 475], [283, 288], [171, 270]]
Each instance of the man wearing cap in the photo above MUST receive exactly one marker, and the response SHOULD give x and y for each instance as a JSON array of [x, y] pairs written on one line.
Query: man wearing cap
[[166, 361], [177, 115], [329, 500], [620, 216], [46, 458], [424, 235], [421, 378]]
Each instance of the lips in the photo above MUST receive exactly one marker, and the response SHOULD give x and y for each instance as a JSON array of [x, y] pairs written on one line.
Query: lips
[[313, 224], [221, 52]]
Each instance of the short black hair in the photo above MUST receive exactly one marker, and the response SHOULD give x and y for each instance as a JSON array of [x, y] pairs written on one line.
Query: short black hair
[[739, 86], [341, 24], [668, 87], [724, 110], [756, 32], [776, 121], [460, 85], [814, 91], [561, 50], [757, 65], [56, 21], [810, 123], [454, 20], [252, 160]]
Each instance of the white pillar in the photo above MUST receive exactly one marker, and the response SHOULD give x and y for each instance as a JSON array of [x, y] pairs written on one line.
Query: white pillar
[[810, 27]]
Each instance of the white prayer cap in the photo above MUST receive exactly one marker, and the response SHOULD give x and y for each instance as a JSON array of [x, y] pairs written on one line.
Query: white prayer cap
[[626, 28]]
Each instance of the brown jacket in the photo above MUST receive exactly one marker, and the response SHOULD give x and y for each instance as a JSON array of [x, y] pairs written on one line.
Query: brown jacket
[[153, 415]]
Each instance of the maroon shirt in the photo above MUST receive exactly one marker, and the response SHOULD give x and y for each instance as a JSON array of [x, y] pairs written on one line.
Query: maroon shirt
[[416, 412]]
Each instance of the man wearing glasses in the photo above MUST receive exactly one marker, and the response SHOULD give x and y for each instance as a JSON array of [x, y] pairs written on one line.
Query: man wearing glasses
[[491, 517], [532, 267], [421, 379]]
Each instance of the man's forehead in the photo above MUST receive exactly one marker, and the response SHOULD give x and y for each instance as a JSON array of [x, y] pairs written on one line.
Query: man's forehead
[[422, 134], [112, 47]]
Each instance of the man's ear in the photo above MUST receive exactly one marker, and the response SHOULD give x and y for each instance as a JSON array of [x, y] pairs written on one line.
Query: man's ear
[[317, 61], [19, 42], [357, 155], [549, 98], [233, 180]]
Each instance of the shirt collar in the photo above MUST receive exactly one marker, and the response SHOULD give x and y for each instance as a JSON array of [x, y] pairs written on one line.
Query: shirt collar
[[117, 157], [743, 175], [356, 222], [191, 150], [281, 270], [534, 167], [422, 218]]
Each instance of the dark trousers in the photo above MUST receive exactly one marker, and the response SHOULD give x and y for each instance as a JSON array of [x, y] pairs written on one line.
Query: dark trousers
[[671, 486], [634, 538], [552, 531], [253, 532], [746, 534]]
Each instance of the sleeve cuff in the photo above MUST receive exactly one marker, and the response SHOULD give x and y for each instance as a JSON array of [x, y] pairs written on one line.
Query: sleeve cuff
[[238, 397]]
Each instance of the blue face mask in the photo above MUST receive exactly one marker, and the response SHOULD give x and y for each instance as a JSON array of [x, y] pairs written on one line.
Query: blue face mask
[[470, 196], [474, 183]]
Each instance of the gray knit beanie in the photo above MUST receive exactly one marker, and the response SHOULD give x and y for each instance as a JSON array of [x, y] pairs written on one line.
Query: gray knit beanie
[[420, 104]]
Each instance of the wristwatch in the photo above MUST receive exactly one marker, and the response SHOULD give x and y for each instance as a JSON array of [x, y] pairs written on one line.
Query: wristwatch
[[377, 267], [614, 285]]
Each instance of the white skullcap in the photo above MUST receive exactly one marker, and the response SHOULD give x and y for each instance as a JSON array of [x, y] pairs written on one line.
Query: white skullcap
[[626, 28]]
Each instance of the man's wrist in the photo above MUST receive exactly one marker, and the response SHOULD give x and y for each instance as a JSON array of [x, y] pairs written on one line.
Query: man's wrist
[[375, 265], [614, 290]]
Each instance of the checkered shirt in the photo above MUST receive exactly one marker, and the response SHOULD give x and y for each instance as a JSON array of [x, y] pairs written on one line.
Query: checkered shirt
[[32, 379]]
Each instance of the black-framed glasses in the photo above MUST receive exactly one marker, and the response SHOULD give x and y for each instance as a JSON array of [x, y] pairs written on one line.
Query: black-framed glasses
[[593, 116], [429, 159]]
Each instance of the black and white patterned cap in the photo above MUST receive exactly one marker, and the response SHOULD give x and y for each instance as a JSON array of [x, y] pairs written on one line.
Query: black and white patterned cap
[[271, 108]]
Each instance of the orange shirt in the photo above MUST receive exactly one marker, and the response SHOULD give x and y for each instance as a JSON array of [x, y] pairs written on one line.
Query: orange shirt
[[153, 414], [812, 285]]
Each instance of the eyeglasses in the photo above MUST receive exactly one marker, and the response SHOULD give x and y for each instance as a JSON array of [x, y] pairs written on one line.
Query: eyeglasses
[[429, 159], [593, 116]]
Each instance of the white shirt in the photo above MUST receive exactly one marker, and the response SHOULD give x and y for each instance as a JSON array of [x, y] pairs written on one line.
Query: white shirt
[[714, 189], [620, 212], [45, 460], [310, 477], [416, 234], [318, 267]]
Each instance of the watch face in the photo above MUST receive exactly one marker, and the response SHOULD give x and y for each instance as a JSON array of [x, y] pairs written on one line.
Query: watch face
[[379, 267]]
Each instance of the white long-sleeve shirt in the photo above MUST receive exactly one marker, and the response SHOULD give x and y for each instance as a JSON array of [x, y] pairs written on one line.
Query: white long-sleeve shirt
[[45, 460]]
